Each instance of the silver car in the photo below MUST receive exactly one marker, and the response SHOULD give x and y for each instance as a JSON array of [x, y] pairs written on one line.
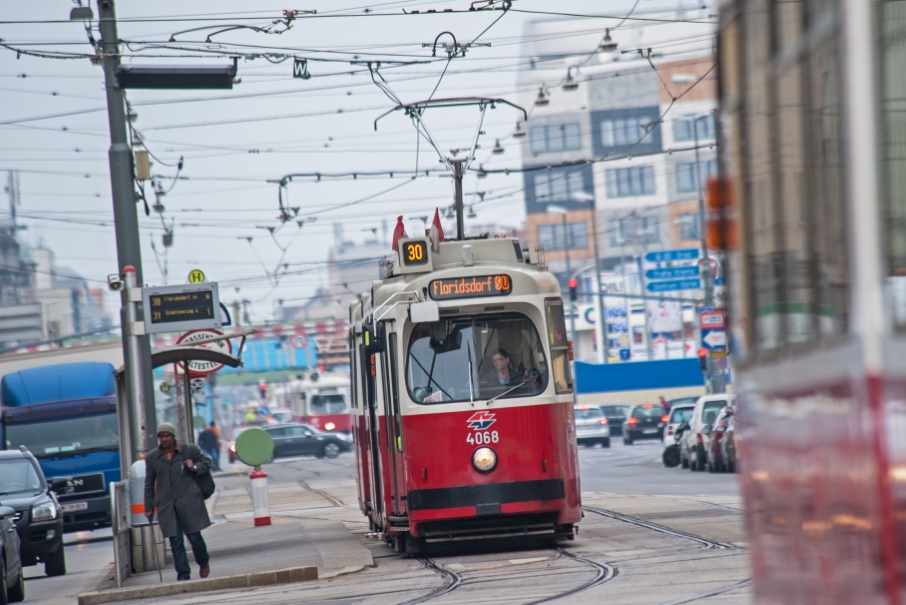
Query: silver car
[[591, 426]]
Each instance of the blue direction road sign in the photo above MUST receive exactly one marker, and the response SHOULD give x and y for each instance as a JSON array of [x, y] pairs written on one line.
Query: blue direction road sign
[[677, 284], [670, 255], [714, 340], [672, 272]]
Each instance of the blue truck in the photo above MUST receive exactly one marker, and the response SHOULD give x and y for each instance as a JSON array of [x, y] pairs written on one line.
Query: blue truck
[[65, 415]]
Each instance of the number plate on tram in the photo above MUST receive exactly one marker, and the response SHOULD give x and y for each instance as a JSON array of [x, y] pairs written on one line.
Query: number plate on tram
[[470, 287]]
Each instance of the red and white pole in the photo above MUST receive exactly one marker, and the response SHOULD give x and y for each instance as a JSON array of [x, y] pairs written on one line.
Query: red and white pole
[[260, 508]]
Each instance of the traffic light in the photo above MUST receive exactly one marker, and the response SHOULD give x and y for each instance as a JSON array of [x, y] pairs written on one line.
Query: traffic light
[[262, 390], [703, 359], [572, 283]]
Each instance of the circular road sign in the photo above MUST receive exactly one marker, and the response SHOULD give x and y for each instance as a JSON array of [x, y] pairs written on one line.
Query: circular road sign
[[198, 367], [298, 341], [196, 276], [254, 446], [197, 384], [164, 387]]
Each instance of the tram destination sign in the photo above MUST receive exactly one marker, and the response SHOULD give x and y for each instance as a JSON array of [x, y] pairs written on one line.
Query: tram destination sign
[[470, 287], [180, 308]]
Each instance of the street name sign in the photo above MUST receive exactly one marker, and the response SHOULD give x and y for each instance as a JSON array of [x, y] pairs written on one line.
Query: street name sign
[[184, 307], [678, 284], [665, 256], [672, 272], [199, 367]]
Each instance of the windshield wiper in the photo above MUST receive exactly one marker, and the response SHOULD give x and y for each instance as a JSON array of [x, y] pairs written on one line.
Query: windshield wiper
[[495, 398]]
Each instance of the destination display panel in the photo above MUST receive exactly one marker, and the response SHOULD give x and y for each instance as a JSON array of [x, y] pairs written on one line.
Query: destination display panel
[[178, 308], [470, 287]]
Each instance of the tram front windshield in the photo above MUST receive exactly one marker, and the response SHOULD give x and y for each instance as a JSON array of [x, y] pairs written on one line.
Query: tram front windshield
[[503, 352]]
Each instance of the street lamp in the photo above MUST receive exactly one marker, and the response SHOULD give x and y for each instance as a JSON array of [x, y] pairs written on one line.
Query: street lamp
[[553, 209]]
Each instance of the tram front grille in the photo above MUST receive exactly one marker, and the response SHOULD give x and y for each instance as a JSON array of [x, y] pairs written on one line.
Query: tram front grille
[[496, 526]]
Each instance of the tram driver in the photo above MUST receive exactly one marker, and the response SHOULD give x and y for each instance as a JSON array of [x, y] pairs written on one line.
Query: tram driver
[[501, 371]]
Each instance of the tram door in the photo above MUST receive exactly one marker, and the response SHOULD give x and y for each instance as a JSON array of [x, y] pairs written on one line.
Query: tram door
[[372, 435], [358, 425], [393, 439]]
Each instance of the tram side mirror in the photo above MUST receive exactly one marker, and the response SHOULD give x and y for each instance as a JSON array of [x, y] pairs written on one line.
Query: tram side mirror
[[423, 312], [375, 338]]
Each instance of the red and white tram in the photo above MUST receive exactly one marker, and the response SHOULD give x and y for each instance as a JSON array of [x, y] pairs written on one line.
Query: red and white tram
[[322, 400], [463, 398], [813, 149]]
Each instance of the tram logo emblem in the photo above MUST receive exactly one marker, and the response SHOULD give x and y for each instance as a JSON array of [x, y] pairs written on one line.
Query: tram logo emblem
[[481, 420]]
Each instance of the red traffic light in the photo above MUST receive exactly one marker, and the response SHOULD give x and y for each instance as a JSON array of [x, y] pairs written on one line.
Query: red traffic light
[[703, 352], [572, 283]]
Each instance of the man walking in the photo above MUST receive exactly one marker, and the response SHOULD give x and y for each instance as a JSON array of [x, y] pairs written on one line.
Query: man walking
[[172, 488]]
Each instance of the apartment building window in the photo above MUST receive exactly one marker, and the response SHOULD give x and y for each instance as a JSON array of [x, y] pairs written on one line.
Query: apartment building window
[[689, 226], [630, 182], [683, 128], [555, 137], [631, 230], [685, 175], [553, 237], [626, 131], [560, 186]]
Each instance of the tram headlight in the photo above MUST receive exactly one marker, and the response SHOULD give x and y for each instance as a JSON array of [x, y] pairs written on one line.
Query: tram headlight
[[484, 459]]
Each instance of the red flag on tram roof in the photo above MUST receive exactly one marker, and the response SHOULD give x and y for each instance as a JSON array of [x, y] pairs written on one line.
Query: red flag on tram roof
[[437, 232], [398, 232]]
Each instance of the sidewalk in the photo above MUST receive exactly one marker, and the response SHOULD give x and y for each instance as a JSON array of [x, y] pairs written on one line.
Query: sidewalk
[[307, 529]]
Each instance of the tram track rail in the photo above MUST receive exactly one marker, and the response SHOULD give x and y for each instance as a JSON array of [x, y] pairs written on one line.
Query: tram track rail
[[456, 580], [662, 529]]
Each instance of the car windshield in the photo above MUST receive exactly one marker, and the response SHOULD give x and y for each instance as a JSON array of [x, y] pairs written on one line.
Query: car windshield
[[681, 415], [712, 408], [333, 403], [483, 357], [653, 411], [19, 476], [682, 400], [588, 413], [615, 410], [68, 436]]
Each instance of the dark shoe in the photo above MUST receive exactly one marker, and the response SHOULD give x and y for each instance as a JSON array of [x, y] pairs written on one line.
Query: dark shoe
[[205, 570], [183, 578]]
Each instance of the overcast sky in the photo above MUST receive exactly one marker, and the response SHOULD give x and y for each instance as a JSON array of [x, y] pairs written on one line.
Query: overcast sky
[[267, 126]]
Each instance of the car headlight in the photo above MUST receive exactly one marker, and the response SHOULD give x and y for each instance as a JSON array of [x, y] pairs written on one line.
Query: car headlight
[[484, 460], [45, 511]]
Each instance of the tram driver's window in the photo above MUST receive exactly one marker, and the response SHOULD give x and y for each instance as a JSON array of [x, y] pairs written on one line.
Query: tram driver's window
[[475, 358], [328, 403]]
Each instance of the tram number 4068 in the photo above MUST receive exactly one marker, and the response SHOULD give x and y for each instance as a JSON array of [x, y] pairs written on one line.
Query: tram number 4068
[[482, 438]]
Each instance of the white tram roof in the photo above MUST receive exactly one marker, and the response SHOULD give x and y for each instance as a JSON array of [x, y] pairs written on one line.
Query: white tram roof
[[488, 257]]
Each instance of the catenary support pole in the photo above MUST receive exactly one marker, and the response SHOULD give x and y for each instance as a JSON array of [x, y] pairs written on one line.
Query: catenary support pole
[[600, 325], [132, 375], [457, 180], [137, 359]]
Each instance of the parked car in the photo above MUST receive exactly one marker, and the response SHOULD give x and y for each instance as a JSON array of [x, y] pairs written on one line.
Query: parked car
[[681, 401], [615, 414], [12, 586], [302, 440], [713, 436], [679, 413], [645, 421], [728, 445], [592, 426], [37, 515], [692, 445]]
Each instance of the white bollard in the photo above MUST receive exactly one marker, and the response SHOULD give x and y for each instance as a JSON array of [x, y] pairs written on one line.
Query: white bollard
[[260, 509], [137, 494]]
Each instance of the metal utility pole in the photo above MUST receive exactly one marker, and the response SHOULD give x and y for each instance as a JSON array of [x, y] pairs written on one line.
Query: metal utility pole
[[572, 305], [136, 357], [715, 376], [600, 326], [458, 170]]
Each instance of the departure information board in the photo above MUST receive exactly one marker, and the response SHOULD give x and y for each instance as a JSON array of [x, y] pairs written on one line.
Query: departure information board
[[179, 308], [469, 287]]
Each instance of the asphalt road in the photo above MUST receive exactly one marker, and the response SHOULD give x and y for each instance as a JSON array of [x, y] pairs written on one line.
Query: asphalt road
[[637, 470]]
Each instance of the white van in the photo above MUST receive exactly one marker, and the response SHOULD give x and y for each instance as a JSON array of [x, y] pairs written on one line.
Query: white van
[[692, 445]]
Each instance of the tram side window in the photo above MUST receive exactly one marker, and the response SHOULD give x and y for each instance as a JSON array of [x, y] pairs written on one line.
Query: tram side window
[[333, 403], [471, 358], [556, 330], [893, 115]]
